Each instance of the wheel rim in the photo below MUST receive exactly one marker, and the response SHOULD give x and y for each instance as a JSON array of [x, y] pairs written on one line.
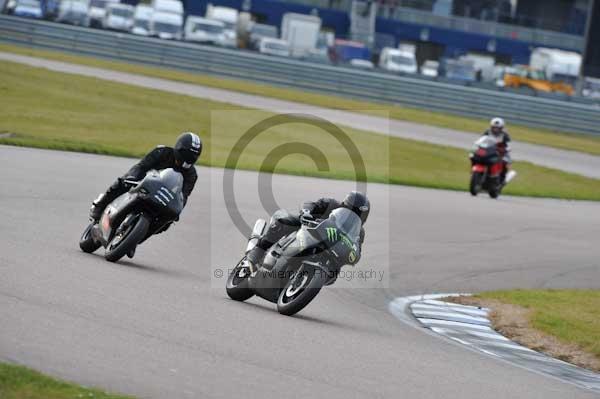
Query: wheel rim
[[120, 236], [293, 289], [240, 274], [296, 285]]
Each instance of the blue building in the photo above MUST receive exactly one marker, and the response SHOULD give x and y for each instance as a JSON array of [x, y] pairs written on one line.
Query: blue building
[[506, 29]]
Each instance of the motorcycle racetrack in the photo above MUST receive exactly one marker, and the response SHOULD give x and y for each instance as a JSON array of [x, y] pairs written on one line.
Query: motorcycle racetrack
[[160, 325]]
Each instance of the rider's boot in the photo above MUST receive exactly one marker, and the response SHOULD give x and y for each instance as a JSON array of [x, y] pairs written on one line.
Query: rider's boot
[[116, 189], [254, 257], [98, 207]]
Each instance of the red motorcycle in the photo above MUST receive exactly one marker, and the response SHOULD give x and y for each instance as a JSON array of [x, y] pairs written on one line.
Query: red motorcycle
[[487, 168]]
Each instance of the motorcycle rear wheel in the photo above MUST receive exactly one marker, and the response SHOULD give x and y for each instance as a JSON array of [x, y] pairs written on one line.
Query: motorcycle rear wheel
[[86, 242], [237, 284], [121, 244], [476, 182], [302, 287]]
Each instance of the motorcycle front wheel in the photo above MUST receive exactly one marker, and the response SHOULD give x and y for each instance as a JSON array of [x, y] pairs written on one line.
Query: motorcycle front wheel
[[127, 239], [237, 283], [476, 182], [495, 188], [302, 287], [86, 242]]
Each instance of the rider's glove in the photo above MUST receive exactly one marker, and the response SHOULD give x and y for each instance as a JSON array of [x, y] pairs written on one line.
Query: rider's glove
[[306, 215]]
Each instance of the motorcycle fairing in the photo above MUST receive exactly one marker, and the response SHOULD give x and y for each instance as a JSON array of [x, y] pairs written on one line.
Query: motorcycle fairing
[[114, 214], [307, 244]]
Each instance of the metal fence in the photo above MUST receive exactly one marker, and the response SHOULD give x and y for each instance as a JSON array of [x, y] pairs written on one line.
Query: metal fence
[[364, 85]]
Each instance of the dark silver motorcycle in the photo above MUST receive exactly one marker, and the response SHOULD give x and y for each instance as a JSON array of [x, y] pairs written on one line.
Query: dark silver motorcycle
[[146, 209], [297, 266]]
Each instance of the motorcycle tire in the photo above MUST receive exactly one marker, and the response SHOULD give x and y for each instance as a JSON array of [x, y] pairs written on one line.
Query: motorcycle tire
[[237, 286], [86, 242], [476, 182], [293, 299], [494, 190], [128, 241]]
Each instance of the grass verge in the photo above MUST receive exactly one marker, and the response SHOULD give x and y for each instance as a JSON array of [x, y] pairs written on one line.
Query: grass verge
[[569, 141], [17, 382], [54, 110], [562, 323]]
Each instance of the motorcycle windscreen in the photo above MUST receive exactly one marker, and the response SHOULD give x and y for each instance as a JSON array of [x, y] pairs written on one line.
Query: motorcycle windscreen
[[172, 180], [347, 222], [485, 142], [170, 193]]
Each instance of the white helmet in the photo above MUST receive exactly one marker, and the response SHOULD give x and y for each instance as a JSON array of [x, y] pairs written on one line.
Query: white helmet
[[497, 122], [497, 126]]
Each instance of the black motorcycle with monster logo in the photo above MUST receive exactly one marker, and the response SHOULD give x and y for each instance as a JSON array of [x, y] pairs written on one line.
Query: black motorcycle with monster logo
[[296, 267]]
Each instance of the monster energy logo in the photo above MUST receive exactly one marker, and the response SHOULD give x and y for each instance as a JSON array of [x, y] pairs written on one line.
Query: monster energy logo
[[332, 234]]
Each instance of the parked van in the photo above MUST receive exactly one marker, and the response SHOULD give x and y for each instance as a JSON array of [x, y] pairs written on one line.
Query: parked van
[[271, 46], [430, 68], [204, 30], [97, 12], [229, 16], [484, 65], [28, 9], [257, 31], [167, 19], [74, 12], [119, 17], [141, 20], [396, 60]]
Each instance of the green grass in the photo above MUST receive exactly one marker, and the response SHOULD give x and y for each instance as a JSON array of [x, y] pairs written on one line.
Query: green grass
[[17, 382], [60, 111], [572, 316], [564, 140]]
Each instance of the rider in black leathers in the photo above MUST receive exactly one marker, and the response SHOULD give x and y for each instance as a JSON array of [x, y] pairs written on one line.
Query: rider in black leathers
[[283, 222], [181, 157]]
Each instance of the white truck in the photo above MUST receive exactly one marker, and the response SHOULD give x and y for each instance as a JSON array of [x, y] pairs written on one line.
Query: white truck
[[559, 65], [229, 16], [141, 20], [167, 19], [204, 30], [119, 17], [301, 31], [398, 60]]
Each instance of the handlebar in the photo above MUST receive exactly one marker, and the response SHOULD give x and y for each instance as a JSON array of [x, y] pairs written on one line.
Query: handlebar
[[310, 222], [131, 182]]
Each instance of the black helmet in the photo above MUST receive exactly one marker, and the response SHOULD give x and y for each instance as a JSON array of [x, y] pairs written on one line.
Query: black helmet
[[358, 203], [187, 149]]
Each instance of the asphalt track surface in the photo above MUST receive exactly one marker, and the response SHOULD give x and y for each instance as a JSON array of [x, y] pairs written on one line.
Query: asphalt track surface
[[570, 161], [161, 326]]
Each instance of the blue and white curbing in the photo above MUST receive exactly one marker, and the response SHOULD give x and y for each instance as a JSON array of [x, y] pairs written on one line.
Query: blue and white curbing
[[470, 326]]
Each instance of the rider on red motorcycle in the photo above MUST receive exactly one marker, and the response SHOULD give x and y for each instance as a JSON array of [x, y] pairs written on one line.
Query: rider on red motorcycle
[[497, 131]]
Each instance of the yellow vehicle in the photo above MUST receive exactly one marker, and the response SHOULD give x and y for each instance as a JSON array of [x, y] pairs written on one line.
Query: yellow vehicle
[[523, 76]]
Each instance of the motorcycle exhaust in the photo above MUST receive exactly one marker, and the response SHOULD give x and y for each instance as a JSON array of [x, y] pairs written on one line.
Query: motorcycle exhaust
[[509, 176]]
